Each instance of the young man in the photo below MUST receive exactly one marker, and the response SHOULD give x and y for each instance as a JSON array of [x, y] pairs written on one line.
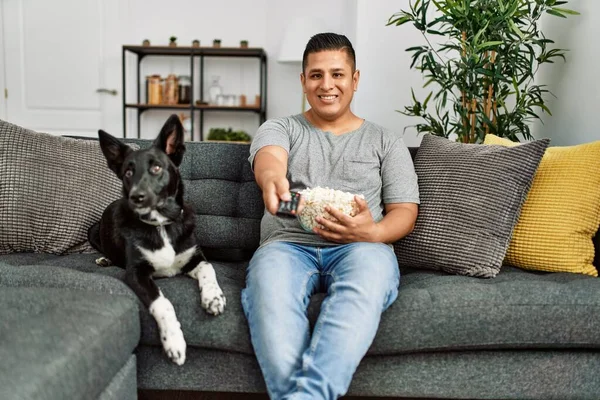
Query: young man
[[352, 260]]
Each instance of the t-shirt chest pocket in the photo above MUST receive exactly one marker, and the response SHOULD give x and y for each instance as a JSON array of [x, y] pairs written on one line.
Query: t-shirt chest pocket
[[360, 174]]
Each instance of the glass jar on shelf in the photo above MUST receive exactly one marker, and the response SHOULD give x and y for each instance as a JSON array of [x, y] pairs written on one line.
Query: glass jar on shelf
[[171, 84], [154, 89], [214, 90], [184, 90]]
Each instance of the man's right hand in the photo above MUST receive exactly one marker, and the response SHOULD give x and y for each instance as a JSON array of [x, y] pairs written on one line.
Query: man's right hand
[[275, 188], [270, 170]]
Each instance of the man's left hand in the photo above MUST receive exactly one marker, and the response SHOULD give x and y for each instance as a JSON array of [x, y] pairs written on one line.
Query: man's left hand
[[347, 229]]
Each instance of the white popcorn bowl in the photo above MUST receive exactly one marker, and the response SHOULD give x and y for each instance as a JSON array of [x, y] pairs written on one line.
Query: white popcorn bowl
[[316, 199]]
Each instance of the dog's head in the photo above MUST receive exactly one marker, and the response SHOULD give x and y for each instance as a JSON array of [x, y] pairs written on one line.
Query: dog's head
[[151, 181]]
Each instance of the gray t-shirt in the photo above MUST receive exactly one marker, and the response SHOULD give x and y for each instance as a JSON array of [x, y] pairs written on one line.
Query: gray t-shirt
[[372, 161]]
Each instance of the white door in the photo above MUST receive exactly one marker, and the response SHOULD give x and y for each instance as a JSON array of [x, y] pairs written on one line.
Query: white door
[[62, 64]]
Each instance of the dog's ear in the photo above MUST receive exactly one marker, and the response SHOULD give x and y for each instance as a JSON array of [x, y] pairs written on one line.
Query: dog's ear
[[170, 139], [114, 151]]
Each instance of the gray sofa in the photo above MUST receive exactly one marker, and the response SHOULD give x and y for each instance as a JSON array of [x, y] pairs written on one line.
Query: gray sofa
[[76, 330]]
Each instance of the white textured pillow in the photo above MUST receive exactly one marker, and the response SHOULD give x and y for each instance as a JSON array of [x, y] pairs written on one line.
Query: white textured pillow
[[52, 189]]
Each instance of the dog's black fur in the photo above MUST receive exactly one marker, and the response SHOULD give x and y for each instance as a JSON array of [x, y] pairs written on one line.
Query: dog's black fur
[[136, 231]]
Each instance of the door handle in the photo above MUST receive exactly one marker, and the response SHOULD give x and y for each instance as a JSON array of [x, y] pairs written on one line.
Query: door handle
[[108, 91]]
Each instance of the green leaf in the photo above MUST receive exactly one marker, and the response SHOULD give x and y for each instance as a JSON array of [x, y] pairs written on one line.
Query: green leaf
[[485, 71], [489, 44], [543, 107], [432, 32], [566, 11], [515, 29], [400, 21], [440, 7], [556, 13], [478, 34], [413, 95], [427, 100]]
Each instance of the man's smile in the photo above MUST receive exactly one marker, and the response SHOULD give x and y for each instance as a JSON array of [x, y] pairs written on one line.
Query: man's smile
[[328, 97]]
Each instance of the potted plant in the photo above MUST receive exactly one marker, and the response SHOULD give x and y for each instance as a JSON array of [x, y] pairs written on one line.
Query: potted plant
[[195, 43], [244, 44], [482, 75], [217, 43], [173, 41], [228, 135]]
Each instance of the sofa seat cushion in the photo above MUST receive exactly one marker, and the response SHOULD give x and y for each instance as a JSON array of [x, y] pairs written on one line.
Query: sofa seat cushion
[[517, 309], [434, 311], [63, 343]]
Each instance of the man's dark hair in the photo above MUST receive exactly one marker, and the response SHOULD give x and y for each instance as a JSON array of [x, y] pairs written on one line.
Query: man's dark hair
[[329, 41]]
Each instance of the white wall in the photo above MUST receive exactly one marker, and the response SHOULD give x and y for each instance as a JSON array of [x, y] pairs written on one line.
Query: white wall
[[285, 91], [575, 83], [2, 85], [228, 20], [385, 80], [262, 23]]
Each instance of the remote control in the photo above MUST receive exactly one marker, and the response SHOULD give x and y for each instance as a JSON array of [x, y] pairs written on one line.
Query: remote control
[[286, 207]]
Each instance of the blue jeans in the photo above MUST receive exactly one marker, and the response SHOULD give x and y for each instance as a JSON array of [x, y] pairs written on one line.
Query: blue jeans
[[360, 281]]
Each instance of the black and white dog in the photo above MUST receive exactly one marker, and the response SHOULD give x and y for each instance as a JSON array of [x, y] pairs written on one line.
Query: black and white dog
[[150, 231]]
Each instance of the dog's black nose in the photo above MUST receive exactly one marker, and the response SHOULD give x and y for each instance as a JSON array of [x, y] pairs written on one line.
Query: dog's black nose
[[137, 197]]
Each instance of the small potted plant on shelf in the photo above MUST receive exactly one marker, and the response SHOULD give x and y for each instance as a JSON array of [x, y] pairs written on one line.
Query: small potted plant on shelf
[[228, 135], [146, 42], [173, 41], [244, 44], [195, 43], [217, 43]]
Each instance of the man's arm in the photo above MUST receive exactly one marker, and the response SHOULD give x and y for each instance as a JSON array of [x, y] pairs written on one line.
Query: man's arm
[[270, 170], [398, 222]]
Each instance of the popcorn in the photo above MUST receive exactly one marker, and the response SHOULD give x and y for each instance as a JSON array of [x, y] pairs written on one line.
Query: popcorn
[[315, 201]]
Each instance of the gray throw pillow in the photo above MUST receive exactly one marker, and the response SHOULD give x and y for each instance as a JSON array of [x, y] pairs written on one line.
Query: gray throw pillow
[[52, 189], [471, 197]]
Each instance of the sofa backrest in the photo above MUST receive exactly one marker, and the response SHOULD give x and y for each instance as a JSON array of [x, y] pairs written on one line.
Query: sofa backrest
[[220, 186]]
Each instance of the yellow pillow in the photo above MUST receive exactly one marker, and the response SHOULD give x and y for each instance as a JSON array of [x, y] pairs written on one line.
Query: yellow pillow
[[562, 212]]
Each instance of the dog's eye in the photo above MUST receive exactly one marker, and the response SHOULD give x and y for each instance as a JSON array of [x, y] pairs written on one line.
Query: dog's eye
[[128, 173], [156, 169]]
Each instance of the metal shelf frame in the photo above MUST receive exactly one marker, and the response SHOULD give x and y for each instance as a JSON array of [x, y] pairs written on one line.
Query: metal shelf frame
[[194, 54]]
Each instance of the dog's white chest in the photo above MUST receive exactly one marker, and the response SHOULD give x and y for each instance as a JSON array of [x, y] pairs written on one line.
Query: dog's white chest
[[164, 260]]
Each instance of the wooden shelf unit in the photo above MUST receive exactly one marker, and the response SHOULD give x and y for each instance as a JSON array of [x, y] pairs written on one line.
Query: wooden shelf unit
[[193, 53]]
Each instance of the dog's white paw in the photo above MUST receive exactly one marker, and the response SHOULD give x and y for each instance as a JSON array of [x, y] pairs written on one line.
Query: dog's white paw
[[103, 262], [169, 329], [174, 344], [212, 299], [211, 295]]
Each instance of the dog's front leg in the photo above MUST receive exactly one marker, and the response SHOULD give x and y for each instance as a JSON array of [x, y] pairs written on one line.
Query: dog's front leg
[[211, 295], [140, 280]]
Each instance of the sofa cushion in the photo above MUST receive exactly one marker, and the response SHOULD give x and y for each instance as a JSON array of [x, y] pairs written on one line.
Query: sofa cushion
[[471, 196], [434, 310], [562, 212], [52, 188], [63, 344], [413, 152]]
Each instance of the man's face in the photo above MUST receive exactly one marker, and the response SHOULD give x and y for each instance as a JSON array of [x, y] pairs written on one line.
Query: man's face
[[329, 83]]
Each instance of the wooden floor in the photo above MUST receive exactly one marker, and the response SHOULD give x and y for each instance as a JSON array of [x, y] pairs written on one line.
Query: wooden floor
[[185, 395]]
